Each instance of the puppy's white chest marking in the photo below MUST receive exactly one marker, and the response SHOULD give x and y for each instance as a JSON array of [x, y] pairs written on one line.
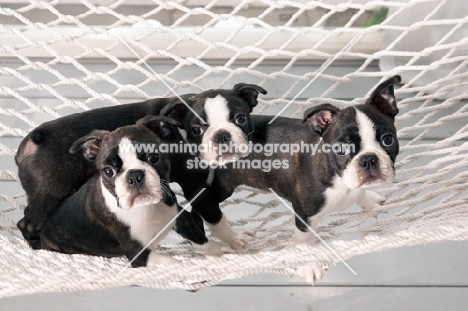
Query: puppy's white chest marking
[[145, 222], [337, 198]]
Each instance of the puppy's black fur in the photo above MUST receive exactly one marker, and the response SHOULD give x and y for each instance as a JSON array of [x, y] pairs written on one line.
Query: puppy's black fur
[[84, 224], [308, 177], [49, 173]]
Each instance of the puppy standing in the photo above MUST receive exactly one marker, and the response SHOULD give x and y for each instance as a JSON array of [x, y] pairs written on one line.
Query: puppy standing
[[48, 173], [228, 121], [121, 209], [325, 182]]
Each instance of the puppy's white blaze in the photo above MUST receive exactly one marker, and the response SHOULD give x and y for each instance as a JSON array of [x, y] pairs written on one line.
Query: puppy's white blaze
[[217, 111], [151, 189], [217, 114], [369, 145], [144, 222]]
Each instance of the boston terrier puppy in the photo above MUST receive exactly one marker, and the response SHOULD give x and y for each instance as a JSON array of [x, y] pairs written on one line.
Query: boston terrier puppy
[[49, 173], [362, 147], [128, 203], [227, 121]]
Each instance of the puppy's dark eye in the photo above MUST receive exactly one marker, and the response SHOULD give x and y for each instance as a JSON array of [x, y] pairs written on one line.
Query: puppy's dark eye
[[152, 158], [109, 172], [197, 131], [387, 140], [241, 119]]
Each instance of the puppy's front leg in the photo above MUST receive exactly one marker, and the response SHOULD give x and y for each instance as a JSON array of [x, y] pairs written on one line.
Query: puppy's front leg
[[304, 236], [302, 232], [369, 200], [190, 226], [147, 257], [223, 231], [208, 207], [132, 248]]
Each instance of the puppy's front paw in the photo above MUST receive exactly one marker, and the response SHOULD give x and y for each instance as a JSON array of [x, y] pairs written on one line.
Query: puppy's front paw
[[370, 200], [223, 231], [241, 240], [213, 248], [310, 273]]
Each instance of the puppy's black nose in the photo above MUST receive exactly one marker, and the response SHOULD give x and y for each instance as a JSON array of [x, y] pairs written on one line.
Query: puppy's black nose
[[369, 161], [135, 178], [222, 137]]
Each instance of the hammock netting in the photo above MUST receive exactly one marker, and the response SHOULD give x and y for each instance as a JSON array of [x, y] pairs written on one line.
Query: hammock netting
[[49, 52]]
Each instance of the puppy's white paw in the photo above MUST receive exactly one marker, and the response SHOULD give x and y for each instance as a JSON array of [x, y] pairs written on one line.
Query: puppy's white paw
[[304, 238], [213, 248], [370, 200], [310, 273], [223, 231], [241, 240], [155, 259]]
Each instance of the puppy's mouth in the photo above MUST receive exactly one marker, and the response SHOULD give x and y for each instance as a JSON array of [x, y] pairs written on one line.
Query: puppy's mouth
[[140, 196], [223, 154], [229, 157], [375, 176], [367, 178], [224, 145]]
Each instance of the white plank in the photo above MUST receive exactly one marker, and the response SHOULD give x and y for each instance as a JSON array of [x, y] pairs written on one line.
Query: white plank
[[249, 298]]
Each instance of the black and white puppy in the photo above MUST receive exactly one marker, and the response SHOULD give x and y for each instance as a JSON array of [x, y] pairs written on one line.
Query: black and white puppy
[[324, 182], [121, 209], [49, 173], [226, 121]]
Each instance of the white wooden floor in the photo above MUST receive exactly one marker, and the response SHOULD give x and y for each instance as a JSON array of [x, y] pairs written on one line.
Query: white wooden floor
[[431, 277]]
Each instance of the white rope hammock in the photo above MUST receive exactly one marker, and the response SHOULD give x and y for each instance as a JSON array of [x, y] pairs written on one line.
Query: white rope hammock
[[46, 49]]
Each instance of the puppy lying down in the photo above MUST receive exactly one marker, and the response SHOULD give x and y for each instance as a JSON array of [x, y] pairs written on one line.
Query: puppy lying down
[[126, 205]]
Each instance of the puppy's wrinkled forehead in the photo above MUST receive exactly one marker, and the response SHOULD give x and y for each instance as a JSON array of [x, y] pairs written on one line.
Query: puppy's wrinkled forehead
[[345, 127], [217, 110], [220, 107], [382, 122], [126, 141], [363, 118]]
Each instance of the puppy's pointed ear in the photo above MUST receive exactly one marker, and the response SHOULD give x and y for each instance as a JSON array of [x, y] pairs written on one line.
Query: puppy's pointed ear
[[176, 110], [383, 97], [249, 93], [164, 127], [89, 144], [320, 117]]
